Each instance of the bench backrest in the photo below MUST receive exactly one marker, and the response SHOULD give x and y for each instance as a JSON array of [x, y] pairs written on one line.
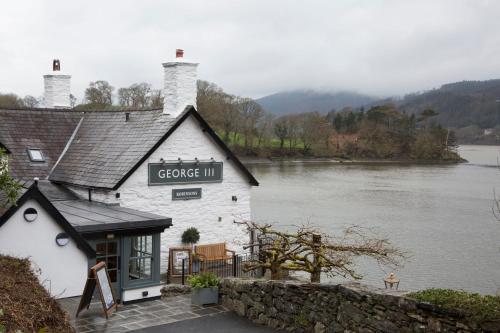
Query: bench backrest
[[211, 250]]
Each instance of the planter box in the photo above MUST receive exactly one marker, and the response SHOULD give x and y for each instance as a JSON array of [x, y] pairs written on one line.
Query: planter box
[[201, 296]]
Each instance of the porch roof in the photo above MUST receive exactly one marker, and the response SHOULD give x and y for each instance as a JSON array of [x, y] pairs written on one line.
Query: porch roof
[[93, 217]]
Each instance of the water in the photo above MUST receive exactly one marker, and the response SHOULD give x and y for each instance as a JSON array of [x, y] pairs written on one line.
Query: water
[[440, 214]]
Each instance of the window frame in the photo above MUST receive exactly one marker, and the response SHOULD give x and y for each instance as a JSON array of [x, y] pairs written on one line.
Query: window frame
[[32, 158], [127, 283]]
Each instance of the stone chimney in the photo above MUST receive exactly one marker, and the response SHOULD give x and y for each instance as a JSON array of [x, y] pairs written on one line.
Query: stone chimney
[[180, 89], [57, 88]]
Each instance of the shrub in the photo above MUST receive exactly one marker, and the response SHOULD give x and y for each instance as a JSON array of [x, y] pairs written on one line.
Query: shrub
[[474, 306], [204, 280], [190, 236]]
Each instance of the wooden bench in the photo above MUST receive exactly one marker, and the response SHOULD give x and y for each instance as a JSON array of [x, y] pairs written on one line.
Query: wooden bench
[[210, 252]]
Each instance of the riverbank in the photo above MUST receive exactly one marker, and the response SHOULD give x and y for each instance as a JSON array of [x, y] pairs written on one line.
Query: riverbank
[[334, 160]]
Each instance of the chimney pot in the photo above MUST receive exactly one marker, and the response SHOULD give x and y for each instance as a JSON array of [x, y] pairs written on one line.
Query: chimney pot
[[56, 65], [57, 87], [179, 53]]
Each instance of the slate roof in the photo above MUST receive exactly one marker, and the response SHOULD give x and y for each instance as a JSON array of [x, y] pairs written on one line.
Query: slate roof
[[46, 129], [88, 216], [107, 149], [92, 217], [95, 149], [106, 146]]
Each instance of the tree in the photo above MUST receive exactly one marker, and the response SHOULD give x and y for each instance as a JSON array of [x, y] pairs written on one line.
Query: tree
[[250, 112], [30, 101], [9, 187], [157, 99], [307, 249], [264, 128], [281, 130], [99, 94], [72, 100], [10, 101]]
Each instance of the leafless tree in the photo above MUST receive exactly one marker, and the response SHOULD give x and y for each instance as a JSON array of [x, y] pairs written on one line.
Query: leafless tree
[[309, 250], [250, 112], [99, 93]]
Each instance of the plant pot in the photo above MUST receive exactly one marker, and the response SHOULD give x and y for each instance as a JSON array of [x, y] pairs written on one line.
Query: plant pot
[[196, 266], [202, 296]]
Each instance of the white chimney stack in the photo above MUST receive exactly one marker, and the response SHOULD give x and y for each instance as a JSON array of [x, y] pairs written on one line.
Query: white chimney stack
[[57, 88], [180, 87]]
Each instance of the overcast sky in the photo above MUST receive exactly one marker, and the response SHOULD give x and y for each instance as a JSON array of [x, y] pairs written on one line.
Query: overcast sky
[[253, 48]]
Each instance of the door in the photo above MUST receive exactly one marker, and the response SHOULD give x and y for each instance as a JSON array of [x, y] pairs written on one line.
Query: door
[[109, 252]]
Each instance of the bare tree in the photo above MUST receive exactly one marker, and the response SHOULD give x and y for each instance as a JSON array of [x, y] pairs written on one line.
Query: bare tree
[[99, 93], [156, 98], [250, 112], [264, 128], [307, 249], [30, 101]]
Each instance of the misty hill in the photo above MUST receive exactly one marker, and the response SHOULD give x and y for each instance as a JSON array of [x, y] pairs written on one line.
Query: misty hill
[[307, 100], [459, 104]]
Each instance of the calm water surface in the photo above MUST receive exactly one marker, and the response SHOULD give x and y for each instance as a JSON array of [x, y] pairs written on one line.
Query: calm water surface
[[440, 214]]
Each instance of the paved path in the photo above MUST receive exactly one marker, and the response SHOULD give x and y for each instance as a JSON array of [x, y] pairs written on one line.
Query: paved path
[[224, 322], [135, 316]]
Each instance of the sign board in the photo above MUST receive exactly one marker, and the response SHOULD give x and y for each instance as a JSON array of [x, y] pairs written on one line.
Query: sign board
[[184, 173], [186, 193], [98, 275], [176, 255]]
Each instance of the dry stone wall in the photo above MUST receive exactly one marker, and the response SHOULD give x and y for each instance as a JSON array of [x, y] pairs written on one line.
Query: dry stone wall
[[351, 307]]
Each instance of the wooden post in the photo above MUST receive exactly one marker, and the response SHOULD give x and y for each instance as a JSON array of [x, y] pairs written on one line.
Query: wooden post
[[261, 257], [316, 274], [183, 270], [235, 263]]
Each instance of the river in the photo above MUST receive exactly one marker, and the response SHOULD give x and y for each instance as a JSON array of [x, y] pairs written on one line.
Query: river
[[441, 215]]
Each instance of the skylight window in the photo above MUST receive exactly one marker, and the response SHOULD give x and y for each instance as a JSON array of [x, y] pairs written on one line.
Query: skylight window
[[35, 155]]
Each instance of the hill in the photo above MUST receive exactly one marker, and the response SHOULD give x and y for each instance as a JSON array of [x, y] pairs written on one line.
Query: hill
[[459, 104], [307, 100]]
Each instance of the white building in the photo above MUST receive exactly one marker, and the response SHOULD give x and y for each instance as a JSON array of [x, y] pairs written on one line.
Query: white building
[[121, 186]]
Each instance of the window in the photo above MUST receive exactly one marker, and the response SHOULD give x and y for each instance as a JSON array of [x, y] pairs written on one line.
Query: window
[[35, 155], [107, 251], [140, 261]]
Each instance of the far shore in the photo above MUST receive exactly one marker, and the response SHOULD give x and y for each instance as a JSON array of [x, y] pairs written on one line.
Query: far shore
[[334, 160]]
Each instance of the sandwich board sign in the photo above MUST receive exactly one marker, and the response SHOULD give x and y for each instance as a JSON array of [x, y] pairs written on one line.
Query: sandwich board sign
[[98, 275]]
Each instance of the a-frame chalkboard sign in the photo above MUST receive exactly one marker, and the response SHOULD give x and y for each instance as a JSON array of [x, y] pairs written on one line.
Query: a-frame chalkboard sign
[[98, 275]]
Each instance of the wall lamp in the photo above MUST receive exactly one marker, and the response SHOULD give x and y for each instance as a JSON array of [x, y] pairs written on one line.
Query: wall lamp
[[162, 160], [196, 161], [179, 160], [212, 160], [234, 198]]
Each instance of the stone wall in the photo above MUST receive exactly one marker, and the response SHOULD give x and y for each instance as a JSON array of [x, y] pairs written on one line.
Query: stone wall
[[351, 307]]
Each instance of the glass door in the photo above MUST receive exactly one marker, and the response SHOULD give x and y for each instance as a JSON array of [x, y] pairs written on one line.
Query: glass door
[[109, 252]]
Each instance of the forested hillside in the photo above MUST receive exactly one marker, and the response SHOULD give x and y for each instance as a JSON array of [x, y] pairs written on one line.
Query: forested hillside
[[311, 101], [459, 104]]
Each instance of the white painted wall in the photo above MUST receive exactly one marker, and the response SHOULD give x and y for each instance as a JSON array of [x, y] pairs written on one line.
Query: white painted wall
[[63, 269], [57, 88], [136, 294], [188, 142], [179, 86]]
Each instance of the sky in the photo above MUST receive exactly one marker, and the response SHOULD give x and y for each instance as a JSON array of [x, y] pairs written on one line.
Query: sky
[[253, 48]]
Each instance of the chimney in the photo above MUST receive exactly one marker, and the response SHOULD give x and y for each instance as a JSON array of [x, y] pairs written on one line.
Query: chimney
[[57, 87], [180, 89]]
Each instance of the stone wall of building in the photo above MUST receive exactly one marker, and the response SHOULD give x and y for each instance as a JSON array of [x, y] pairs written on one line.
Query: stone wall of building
[[351, 307]]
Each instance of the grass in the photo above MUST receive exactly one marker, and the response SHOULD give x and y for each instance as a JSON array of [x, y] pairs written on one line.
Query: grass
[[239, 141], [475, 307]]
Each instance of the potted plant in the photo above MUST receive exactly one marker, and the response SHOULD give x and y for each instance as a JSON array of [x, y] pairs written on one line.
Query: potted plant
[[190, 236], [204, 289]]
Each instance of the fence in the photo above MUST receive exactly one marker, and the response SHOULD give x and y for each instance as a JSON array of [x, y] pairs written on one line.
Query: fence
[[223, 268]]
